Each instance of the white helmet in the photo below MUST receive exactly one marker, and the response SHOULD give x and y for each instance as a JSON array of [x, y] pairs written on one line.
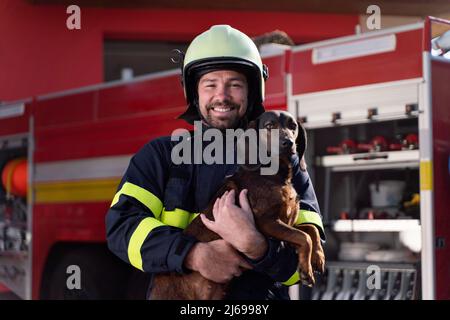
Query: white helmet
[[223, 48]]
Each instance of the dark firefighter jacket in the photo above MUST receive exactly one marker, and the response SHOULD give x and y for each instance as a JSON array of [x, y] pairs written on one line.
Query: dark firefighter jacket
[[156, 200]]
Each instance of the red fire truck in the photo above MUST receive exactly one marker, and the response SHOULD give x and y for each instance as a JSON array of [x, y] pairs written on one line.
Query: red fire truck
[[376, 107], [62, 155]]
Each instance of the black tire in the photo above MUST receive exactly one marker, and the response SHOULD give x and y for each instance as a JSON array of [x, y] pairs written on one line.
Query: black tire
[[103, 275]]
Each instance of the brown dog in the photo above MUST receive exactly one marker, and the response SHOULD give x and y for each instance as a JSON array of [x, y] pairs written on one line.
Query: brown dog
[[275, 206]]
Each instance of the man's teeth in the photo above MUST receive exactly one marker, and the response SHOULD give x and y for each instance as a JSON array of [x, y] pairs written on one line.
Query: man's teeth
[[222, 109]]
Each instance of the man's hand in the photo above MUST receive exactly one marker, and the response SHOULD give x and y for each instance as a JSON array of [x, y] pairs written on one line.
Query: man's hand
[[236, 225], [217, 261]]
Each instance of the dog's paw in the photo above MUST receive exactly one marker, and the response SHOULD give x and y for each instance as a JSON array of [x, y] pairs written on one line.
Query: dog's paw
[[306, 273], [318, 260], [307, 278]]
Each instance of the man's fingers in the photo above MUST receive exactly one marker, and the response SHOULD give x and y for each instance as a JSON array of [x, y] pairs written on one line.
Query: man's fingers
[[244, 264], [222, 200], [243, 200], [216, 210], [230, 198], [208, 223]]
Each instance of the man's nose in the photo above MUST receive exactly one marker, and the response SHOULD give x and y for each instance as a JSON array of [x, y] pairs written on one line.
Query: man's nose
[[221, 93]]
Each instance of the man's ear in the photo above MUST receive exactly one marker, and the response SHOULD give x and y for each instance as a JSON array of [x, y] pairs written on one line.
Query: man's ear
[[301, 142]]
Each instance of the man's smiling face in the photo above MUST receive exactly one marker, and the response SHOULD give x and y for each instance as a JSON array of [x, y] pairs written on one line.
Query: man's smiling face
[[222, 98]]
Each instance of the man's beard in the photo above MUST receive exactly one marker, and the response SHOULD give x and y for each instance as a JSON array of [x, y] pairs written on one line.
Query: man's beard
[[230, 123]]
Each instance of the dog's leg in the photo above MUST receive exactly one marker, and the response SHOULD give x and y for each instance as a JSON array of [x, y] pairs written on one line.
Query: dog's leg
[[301, 240], [317, 255], [192, 286]]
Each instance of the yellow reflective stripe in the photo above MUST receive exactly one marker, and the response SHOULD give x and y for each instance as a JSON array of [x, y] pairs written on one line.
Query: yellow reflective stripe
[[293, 279], [92, 190], [143, 196], [193, 216], [305, 216], [177, 218], [138, 238], [426, 175]]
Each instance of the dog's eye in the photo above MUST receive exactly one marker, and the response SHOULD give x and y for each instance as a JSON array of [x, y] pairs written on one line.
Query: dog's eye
[[269, 126], [292, 126]]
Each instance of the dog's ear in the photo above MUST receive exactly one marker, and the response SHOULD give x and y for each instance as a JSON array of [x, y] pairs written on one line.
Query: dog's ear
[[246, 165], [301, 142]]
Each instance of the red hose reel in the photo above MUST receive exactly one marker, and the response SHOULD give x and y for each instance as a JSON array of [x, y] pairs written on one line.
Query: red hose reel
[[376, 144], [15, 177]]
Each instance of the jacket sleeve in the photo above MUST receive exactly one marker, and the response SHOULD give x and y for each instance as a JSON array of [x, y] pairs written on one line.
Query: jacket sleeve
[[134, 230], [281, 260]]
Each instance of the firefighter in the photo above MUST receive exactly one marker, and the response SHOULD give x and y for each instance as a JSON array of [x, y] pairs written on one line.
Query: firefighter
[[223, 80]]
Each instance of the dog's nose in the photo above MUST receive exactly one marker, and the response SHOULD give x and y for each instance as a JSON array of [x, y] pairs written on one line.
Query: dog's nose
[[287, 143]]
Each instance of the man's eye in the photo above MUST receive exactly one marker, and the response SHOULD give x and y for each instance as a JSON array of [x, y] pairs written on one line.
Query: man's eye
[[236, 85]]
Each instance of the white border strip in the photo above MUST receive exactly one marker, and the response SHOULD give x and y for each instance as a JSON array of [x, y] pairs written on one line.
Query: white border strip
[[388, 84], [30, 207], [354, 49], [12, 110], [110, 84], [92, 168], [305, 47], [427, 213]]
